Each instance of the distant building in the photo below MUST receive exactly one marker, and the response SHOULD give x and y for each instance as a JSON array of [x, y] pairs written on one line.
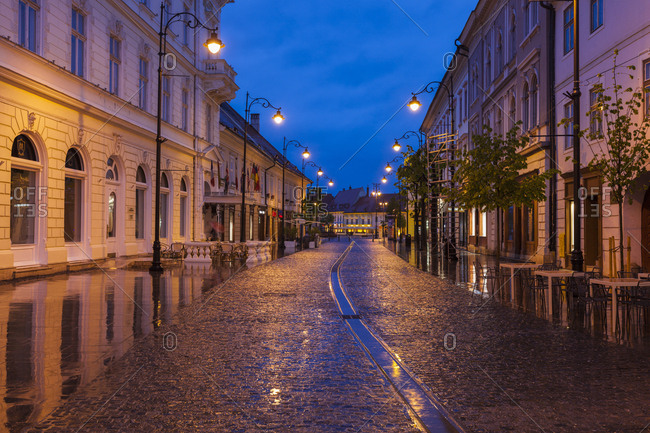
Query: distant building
[[357, 211]]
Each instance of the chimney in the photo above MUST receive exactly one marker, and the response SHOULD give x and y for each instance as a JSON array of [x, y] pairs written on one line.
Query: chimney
[[255, 121], [367, 191]]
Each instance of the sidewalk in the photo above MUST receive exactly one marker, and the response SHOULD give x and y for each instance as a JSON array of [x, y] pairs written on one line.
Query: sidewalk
[[496, 369], [267, 351]]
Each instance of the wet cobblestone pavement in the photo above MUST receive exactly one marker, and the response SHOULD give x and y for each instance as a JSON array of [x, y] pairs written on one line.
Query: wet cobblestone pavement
[[494, 368], [266, 351]]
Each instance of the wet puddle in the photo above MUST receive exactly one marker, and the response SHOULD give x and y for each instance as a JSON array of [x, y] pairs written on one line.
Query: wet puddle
[[59, 333]]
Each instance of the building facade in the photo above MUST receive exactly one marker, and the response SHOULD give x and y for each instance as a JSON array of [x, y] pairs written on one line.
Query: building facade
[[516, 66], [78, 106]]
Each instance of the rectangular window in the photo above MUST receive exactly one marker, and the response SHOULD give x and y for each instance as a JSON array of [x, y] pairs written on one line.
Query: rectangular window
[[568, 127], [27, 24], [77, 44], [646, 86], [163, 214], [186, 30], [166, 97], [208, 122], [72, 210], [596, 123], [597, 15], [24, 208], [143, 82], [114, 65], [139, 213], [184, 109], [183, 206], [531, 16], [568, 29]]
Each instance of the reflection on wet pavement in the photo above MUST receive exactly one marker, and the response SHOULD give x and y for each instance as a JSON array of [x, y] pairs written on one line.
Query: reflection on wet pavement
[[59, 333], [630, 326]]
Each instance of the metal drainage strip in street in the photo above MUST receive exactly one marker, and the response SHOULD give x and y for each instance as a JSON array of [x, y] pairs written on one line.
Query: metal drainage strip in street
[[424, 409]]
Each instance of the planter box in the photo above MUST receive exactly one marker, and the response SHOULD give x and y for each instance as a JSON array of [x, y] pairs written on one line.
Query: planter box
[[290, 244], [312, 244]]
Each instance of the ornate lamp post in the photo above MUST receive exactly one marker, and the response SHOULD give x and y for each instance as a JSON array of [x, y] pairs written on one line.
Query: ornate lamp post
[[277, 118], [399, 189], [213, 44], [376, 192], [305, 155], [577, 259], [414, 105]]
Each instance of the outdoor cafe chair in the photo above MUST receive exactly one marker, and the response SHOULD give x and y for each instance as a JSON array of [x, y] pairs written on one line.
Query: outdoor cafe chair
[[534, 285]]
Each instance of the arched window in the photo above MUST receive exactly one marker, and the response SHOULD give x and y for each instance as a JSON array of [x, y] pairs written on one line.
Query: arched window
[[513, 112], [533, 102], [73, 198], [23, 148], [111, 171], [525, 108], [183, 209], [25, 194], [164, 205], [141, 187]]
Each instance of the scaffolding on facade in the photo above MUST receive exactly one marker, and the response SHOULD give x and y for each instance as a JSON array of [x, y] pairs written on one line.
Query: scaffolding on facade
[[444, 221]]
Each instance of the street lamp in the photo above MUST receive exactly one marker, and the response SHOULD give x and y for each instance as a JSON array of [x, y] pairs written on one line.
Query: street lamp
[[414, 104], [277, 118], [213, 44], [388, 168], [396, 146], [577, 259], [319, 173], [384, 180], [285, 161]]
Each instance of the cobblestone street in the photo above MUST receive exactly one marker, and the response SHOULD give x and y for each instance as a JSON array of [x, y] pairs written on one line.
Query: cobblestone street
[[267, 351], [508, 371]]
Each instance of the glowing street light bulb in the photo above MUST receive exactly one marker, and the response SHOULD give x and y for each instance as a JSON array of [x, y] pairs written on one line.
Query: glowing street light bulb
[[320, 171], [384, 180], [330, 183], [388, 168], [397, 146], [278, 117], [414, 104], [214, 44], [306, 153]]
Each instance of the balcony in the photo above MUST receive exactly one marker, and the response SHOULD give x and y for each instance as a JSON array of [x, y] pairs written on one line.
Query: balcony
[[219, 80]]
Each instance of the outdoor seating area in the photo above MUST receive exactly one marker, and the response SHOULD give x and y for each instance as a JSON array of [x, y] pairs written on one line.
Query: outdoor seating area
[[557, 293]]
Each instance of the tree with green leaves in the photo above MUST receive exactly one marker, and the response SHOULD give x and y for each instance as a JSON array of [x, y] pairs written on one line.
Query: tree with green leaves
[[617, 121], [394, 209], [488, 176], [413, 177]]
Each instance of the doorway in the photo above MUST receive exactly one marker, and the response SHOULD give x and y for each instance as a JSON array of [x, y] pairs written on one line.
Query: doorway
[[645, 231]]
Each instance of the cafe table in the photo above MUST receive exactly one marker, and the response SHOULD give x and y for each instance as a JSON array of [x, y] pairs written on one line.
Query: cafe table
[[518, 266], [613, 283], [549, 275]]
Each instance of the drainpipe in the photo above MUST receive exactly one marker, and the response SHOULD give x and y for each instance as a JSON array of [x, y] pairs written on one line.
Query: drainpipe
[[552, 229]]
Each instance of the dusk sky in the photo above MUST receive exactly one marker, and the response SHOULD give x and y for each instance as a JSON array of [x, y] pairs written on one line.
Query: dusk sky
[[340, 70]]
